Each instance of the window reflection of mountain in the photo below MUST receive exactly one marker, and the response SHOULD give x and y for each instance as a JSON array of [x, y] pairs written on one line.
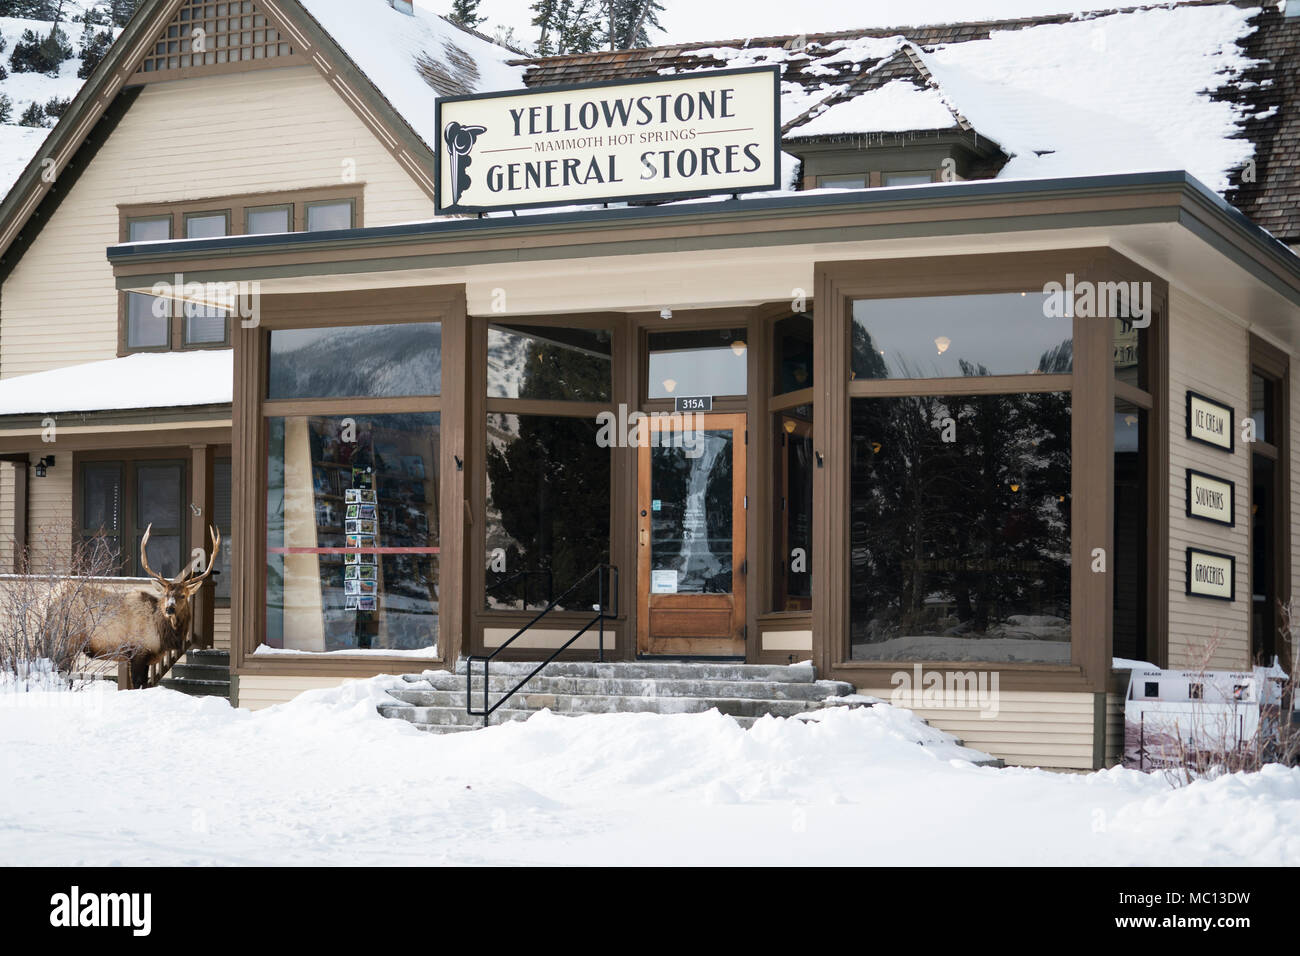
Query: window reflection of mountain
[[558, 364], [387, 360]]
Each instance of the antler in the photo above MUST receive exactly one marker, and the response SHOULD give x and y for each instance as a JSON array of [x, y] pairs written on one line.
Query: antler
[[144, 559], [193, 584]]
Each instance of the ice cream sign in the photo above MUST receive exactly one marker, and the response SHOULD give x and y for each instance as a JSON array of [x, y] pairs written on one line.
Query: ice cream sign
[[702, 133]]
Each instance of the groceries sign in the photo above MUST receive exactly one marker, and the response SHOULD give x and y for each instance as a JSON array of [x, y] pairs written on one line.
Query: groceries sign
[[691, 135]]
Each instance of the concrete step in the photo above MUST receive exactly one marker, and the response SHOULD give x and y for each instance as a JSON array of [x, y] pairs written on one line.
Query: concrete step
[[652, 670], [545, 683], [198, 688], [608, 704], [453, 719], [208, 657], [186, 669]]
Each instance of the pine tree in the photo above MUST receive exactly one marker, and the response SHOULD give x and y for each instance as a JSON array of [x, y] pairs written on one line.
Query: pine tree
[[630, 23], [56, 106], [6, 109], [94, 47], [34, 115], [465, 13], [29, 9], [567, 26], [4, 45], [121, 11]]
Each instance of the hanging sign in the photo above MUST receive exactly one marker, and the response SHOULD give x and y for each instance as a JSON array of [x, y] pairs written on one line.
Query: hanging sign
[[715, 131], [1209, 422], [1211, 575], [1211, 498]]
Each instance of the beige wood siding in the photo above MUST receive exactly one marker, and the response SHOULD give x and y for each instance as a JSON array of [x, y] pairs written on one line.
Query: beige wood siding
[[1036, 729], [258, 132], [221, 628], [258, 692], [1208, 353], [49, 515], [8, 532]]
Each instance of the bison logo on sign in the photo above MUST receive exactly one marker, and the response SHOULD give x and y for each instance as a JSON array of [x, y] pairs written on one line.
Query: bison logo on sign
[[460, 143]]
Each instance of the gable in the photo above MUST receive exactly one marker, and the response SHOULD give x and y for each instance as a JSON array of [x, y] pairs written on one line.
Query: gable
[[206, 37]]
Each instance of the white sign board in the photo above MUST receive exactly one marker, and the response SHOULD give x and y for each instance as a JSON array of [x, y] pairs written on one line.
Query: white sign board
[[1210, 498], [1211, 574], [663, 582], [715, 131], [1174, 716], [1209, 422]]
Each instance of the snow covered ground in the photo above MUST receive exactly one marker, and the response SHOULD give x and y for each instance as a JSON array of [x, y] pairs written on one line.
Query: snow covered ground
[[154, 777]]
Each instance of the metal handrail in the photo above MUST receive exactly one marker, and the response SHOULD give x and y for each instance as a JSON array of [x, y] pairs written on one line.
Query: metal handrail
[[607, 587]]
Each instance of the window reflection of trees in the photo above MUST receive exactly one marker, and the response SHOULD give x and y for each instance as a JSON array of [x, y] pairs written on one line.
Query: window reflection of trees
[[961, 541], [548, 480]]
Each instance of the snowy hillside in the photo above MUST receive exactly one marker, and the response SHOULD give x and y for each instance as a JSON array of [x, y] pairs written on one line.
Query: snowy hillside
[[21, 132]]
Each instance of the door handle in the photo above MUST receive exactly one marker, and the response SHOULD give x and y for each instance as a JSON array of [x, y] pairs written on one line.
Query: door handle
[[643, 537]]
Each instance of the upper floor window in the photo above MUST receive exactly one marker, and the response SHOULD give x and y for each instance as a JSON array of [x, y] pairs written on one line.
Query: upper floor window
[[148, 323]]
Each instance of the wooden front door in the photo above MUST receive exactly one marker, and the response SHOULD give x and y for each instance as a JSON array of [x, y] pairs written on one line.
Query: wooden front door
[[691, 537]]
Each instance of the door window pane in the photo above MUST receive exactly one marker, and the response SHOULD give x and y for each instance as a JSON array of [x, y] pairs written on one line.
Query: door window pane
[[269, 219], [158, 496], [792, 501], [325, 216], [548, 503], [960, 335], [1129, 351], [541, 362], [960, 549], [1261, 403], [701, 362], [101, 508], [352, 533], [148, 321], [792, 342], [355, 361], [691, 500], [206, 226]]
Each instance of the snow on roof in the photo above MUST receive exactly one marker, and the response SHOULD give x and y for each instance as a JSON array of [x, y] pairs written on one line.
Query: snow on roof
[[144, 380], [1128, 92], [412, 60], [898, 106]]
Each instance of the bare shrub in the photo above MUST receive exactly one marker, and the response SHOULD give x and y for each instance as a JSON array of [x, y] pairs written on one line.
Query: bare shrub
[[51, 605], [1213, 741]]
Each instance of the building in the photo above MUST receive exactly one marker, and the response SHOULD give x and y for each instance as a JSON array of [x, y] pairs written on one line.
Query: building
[[976, 376]]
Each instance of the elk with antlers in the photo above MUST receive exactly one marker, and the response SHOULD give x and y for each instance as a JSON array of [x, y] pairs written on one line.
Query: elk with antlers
[[141, 627]]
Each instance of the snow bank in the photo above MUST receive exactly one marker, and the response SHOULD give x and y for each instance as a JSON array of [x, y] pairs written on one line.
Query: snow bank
[[143, 380], [324, 780]]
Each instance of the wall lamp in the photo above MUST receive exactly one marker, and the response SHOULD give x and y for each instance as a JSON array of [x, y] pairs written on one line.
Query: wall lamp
[[44, 465]]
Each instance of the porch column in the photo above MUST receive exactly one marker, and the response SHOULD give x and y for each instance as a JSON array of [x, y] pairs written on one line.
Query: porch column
[[202, 513]]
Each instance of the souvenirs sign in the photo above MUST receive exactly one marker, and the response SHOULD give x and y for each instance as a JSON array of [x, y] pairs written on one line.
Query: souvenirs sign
[[716, 131], [1210, 498], [1211, 575], [1209, 422]]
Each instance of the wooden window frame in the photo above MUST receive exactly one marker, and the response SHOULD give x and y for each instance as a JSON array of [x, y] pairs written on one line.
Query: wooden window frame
[[480, 616], [129, 462], [204, 214], [1274, 365], [1091, 384], [307, 207], [249, 210], [235, 209], [444, 304]]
